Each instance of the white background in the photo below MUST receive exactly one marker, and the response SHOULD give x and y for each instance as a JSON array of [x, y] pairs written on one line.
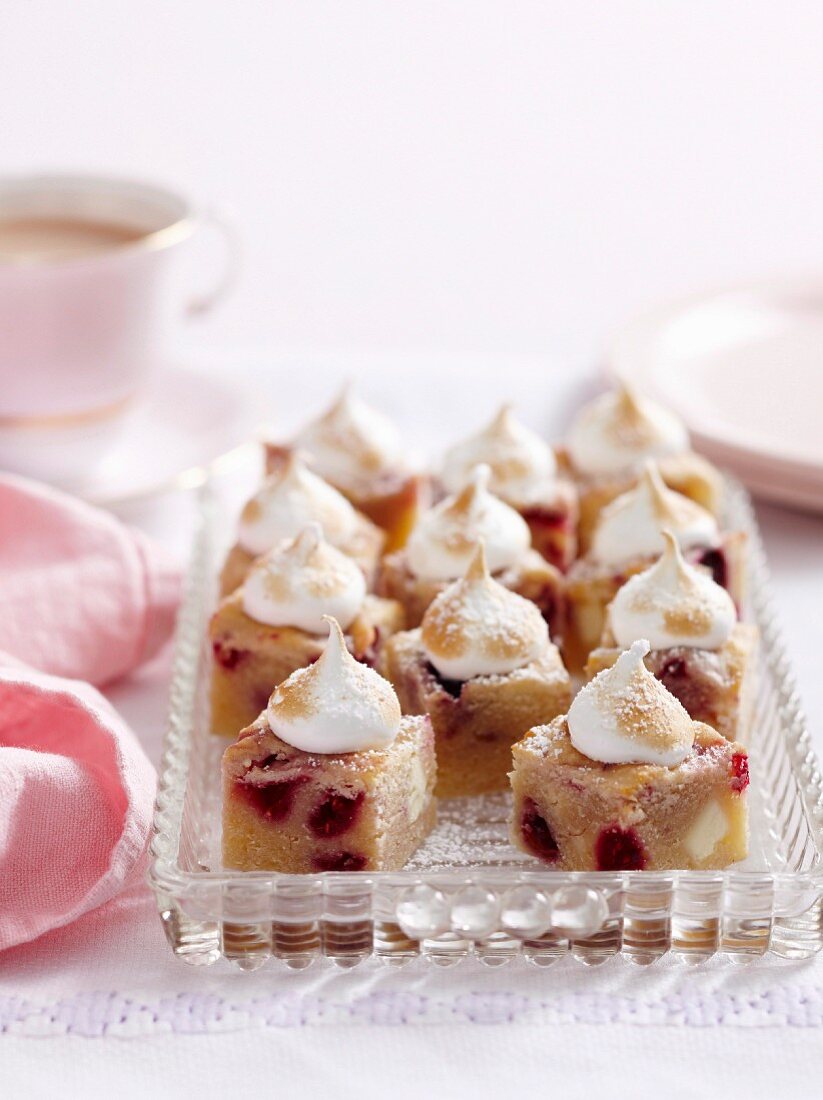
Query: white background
[[475, 176], [493, 175]]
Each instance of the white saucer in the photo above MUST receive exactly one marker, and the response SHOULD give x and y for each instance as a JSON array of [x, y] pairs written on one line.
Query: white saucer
[[186, 419], [744, 368]]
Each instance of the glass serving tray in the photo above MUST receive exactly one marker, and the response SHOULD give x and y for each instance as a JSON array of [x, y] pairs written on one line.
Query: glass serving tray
[[467, 891]]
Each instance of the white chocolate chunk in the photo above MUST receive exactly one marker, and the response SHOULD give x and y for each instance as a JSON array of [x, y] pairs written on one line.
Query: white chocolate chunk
[[708, 830], [418, 790]]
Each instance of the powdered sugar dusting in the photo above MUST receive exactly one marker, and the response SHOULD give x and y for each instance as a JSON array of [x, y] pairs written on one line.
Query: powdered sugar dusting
[[672, 603], [288, 500], [471, 832], [627, 716], [352, 443], [300, 581], [521, 462], [631, 526], [336, 704], [478, 627], [619, 430], [445, 539]]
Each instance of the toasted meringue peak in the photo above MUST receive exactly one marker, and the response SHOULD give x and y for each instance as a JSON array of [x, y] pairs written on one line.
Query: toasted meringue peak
[[351, 442], [443, 542], [672, 603], [288, 500], [303, 580], [626, 716], [619, 430], [335, 705], [476, 627], [478, 569], [522, 464], [632, 525]]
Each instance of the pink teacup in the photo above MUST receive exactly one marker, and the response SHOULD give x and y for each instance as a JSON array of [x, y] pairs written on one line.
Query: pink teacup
[[87, 302]]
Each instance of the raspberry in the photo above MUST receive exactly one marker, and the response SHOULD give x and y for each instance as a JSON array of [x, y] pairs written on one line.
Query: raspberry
[[619, 849], [740, 771], [273, 800], [537, 836], [227, 656], [336, 813]]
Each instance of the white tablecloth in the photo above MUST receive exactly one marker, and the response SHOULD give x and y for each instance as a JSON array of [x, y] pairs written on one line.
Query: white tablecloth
[[455, 175], [105, 998]]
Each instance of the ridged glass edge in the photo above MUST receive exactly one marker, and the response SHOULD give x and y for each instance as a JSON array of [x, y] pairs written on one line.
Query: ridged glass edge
[[798, 740]]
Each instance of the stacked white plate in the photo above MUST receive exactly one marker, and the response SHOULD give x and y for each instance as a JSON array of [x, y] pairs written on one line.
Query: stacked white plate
[[744, 368]]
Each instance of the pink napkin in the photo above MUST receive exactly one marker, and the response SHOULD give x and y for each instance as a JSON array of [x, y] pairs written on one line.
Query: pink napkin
[[80, 594], [82, 597]]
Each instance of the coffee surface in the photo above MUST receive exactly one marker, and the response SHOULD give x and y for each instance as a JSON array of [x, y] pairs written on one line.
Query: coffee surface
[[60, 238]]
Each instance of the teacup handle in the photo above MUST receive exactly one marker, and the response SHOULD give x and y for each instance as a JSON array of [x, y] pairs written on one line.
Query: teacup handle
[[222, 225]]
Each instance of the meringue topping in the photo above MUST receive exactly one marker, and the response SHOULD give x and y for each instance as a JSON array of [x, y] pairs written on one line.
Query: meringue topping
[[476, 627], [289, 499], [351, 442], [632, 525], [335, 705], [302, 580], [522, 464], [444, 541], [672, 603], [626, 716], [619, 430]]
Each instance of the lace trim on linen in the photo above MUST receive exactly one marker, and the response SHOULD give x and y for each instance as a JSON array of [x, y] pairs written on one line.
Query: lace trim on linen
[[96, 1015]]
